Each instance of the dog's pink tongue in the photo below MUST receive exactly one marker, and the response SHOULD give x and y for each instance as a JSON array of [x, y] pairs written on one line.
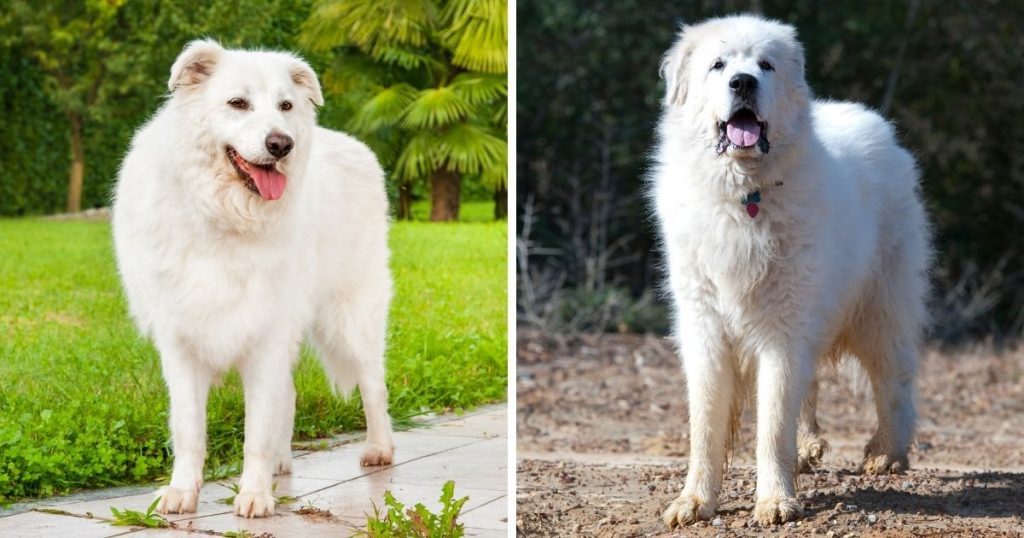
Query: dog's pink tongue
[[270, 183], [743, 131]]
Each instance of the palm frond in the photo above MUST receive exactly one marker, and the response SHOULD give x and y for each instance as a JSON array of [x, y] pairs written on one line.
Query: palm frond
[[471, 149], [454, 10], [477, 34], [385, 109], [500, 117], [418, 158], [436, 107], [402, 56], [367, 23], [491, 178], [480, 88]]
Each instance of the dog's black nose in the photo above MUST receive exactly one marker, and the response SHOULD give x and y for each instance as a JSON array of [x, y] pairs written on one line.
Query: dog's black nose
[[279, 144], [743, 84]]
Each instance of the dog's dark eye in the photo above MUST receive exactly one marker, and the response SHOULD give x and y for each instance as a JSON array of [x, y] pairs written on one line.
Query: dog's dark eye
[[763, 64], [285, 106], [239, 103], [719, 64]]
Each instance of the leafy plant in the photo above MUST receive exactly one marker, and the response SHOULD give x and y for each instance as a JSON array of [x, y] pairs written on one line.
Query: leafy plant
[[429, 80], [131, 518], [417, 522]]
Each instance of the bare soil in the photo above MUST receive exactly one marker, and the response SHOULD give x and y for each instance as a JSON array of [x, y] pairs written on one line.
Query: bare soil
[[602, 442]]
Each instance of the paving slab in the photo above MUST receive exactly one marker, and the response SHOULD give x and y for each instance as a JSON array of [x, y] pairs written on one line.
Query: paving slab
[[34, 524], [332, 492], [491, 516]]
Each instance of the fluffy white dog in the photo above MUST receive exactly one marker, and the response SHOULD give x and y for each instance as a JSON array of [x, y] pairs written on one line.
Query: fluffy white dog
[[794, 231], [240, 227]]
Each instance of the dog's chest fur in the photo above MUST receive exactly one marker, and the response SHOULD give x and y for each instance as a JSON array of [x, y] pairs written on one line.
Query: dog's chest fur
[[733, 264], [220, 294]]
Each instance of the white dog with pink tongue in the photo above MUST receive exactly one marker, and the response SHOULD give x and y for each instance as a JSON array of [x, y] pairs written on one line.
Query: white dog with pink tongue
[[782, 257], [241, 228]]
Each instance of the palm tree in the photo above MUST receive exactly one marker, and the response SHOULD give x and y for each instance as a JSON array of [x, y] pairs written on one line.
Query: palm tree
[[429, 81]]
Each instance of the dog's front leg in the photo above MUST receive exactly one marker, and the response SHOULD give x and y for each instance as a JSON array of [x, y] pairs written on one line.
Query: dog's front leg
[[188, 383], [269, 408], [783, 378], [710, 382]]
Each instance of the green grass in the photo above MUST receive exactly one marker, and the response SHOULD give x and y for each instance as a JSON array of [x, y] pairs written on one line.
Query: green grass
[[468, 211], [397, 521], [131, 518], [82, 401]]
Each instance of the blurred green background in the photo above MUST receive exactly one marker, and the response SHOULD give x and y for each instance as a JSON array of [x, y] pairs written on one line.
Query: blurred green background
[[422, 82], [948, 74]]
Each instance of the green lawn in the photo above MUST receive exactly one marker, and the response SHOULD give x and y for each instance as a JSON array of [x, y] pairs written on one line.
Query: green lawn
[[479, 211], [82, 401]]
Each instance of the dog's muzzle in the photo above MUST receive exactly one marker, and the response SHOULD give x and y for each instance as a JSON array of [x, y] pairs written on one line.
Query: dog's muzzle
[[743, 130]]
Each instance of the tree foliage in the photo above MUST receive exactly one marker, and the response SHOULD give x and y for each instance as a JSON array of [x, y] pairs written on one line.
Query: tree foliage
[[76, 46], [427, 81], [126, 58], [114, 58], [947, 74]]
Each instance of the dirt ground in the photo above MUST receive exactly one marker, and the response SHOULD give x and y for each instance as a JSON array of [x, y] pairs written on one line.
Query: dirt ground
[[602, 445]]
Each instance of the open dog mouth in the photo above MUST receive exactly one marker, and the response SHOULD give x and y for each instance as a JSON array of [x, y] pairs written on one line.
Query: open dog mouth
[[260, 178], [743, 130]]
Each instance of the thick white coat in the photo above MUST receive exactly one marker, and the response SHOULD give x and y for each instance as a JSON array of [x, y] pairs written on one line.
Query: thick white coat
[[834, 264], [218, 277]]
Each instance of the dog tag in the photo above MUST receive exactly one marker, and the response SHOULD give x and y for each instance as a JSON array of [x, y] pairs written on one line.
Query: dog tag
[[750, 201]]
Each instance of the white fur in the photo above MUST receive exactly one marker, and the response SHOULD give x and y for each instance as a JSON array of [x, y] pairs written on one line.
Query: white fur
[[834, 264], [218, 277]]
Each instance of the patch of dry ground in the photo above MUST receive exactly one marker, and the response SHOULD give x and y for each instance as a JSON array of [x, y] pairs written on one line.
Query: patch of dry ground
[[602, 442]]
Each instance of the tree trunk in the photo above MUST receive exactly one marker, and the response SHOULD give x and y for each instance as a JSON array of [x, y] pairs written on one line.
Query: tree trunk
[[405, 201], [501, 202], [77, 173], [444, 195]]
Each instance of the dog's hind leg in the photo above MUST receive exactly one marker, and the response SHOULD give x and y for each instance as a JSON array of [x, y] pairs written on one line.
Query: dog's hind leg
[[892, 372], [888, 347], [350, 335], [890, 337], [810, 446]]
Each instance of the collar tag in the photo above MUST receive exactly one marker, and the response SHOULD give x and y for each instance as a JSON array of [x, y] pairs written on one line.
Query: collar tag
[[750, 201]]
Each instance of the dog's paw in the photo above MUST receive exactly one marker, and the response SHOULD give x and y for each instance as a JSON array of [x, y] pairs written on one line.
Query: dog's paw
[[884, 464], [375, 454], [254, 504], [774, 510], [811, 451], [176, 500], [687, 509]]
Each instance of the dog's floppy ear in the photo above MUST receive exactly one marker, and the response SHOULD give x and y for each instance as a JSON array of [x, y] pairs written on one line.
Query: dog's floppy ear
[[195, 63], [304, 77], [674, 68]]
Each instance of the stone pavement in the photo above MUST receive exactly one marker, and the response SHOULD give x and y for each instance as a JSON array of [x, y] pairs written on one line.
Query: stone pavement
[[471, 449]]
